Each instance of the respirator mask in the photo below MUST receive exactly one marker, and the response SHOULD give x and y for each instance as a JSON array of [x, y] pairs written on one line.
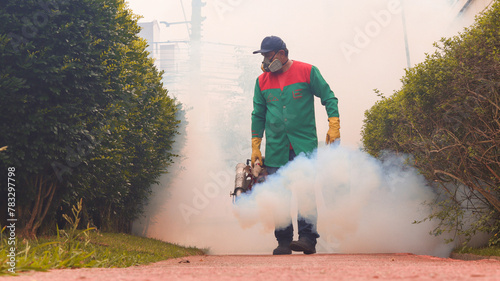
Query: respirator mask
[[271, 65]]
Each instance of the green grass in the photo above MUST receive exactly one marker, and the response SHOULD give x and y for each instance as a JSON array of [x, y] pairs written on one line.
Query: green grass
[[74, 248], [486, 251], [94, 250], [139, 250]]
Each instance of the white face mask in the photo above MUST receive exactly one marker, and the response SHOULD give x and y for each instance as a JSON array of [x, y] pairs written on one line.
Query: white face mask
[[270, 65]]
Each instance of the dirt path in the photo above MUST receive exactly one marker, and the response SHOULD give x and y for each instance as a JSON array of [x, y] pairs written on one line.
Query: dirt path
[[293, 267]]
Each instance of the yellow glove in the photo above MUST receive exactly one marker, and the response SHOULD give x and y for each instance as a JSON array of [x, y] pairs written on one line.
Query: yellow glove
[[256, 150], [334, 130]]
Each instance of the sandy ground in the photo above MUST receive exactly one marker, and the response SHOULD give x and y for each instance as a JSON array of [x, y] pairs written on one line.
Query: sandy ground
[[292, 267]]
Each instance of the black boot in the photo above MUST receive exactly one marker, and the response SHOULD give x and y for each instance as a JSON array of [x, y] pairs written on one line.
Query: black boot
[[303, 245], [283, 249]]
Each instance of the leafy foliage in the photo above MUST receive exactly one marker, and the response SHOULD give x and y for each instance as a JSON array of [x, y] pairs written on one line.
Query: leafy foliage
[[83, 109], [447, 115]]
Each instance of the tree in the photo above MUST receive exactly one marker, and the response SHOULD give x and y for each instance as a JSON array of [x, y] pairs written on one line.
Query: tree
[[82, 107]]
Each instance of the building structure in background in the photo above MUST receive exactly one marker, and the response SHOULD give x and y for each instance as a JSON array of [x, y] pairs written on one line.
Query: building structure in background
[[151, 32], [200, 74], [169, 56], [193, 61]]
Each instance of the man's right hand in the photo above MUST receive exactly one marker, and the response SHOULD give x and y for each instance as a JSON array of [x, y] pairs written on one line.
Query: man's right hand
[[256, 154]]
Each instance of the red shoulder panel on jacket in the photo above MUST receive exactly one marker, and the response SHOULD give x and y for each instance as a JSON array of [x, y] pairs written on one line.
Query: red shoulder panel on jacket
[[299, 72]]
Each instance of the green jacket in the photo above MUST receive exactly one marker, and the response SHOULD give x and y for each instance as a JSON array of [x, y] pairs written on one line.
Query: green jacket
[[283, 107]]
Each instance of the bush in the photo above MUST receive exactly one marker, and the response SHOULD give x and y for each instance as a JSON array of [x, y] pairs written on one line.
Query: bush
[[84, 112], [447, 116]]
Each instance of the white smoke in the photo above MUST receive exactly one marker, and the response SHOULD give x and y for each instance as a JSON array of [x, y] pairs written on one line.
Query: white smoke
[[363, 204]]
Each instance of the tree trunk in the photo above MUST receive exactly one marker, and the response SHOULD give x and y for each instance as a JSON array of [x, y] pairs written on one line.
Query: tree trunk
[[43, 200]]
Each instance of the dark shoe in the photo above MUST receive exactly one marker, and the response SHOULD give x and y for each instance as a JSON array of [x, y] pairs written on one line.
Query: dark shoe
[[282, 249], [303, 245]]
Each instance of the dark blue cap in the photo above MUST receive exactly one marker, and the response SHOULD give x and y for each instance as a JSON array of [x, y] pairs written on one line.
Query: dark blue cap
[[271, 43]]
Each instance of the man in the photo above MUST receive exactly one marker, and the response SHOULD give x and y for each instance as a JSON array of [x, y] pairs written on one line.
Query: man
[[284, 108]]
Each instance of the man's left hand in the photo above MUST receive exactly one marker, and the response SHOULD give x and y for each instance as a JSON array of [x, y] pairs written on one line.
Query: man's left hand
[[334, 130]]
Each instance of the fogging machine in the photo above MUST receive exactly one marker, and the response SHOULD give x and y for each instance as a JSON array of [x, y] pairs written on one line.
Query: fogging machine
[[246, 177]]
